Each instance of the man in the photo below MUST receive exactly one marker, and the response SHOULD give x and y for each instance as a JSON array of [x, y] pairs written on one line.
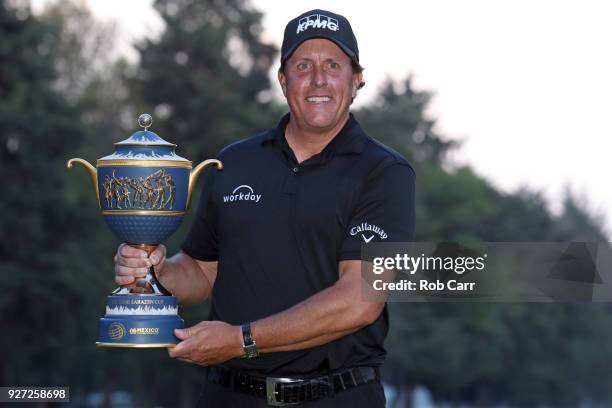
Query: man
[[277, 239]]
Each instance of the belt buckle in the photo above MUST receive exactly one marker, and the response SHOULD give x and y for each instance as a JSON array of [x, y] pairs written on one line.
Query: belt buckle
[[271, 390]]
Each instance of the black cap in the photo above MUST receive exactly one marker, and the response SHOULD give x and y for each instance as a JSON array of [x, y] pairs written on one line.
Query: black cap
[[319, 24]]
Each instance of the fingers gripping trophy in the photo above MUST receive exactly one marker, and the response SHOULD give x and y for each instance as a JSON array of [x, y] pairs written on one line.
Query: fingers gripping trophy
[[143, 190]]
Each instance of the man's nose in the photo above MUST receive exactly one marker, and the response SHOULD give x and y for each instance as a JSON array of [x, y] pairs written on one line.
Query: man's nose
[[319, 78]]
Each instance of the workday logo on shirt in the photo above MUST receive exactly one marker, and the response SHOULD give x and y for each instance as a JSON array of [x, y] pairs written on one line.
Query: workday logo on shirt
[[368, 231], [242, 193]]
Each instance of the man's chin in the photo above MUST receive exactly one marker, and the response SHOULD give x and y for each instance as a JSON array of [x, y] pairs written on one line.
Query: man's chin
[[321, 122]]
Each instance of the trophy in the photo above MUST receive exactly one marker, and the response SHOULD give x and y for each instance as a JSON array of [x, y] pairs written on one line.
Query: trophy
[[143, 190]]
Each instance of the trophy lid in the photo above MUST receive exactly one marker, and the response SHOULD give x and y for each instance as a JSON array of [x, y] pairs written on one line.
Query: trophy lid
[[143, 145], [145, 137]]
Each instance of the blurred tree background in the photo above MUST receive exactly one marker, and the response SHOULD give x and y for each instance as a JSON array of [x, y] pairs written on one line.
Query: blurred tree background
[[205, 79]]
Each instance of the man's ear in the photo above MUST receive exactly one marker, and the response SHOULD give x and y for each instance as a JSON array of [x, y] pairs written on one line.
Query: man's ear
[[282, 80], [357, 80]]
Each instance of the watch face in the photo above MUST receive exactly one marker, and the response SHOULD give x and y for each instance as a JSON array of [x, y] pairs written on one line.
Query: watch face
[[251, 351]]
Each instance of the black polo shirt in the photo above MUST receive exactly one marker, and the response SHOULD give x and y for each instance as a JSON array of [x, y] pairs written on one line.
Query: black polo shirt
[[278, 229]]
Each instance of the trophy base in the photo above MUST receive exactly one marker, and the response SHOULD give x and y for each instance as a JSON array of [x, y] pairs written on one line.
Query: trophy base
[[135, 345], [139, 321]]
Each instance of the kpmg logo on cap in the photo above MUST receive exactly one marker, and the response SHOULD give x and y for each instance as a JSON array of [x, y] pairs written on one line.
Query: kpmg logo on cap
[[317, 21]]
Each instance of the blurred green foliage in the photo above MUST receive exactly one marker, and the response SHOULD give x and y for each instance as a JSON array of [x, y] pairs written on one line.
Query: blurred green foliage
[[205, 79]]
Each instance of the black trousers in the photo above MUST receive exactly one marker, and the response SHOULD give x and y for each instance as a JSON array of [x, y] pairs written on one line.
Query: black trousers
[[369, 395]]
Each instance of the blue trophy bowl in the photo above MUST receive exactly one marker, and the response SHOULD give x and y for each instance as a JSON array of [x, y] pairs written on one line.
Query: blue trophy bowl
[[144, 187], [144, 204]]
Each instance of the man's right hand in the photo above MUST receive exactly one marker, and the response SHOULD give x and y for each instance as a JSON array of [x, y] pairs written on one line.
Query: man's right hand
[[132, 263]]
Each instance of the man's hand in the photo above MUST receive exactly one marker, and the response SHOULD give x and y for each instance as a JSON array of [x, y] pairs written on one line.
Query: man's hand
[[132, 263], [188, 279], [208, 343]]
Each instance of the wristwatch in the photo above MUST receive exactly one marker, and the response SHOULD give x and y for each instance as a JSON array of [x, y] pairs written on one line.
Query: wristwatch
[[248, 344]]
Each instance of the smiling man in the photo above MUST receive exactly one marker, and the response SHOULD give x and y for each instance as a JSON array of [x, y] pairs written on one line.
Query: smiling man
[[276, 243]]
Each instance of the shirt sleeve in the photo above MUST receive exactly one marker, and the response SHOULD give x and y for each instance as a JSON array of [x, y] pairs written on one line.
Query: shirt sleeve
[[201, 242], [385, 212]]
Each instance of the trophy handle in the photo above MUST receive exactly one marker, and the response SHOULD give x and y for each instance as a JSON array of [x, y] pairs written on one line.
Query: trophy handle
[[93, 173], [195, 173]]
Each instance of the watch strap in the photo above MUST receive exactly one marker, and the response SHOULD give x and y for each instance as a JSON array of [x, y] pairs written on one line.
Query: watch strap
[[248, 343]]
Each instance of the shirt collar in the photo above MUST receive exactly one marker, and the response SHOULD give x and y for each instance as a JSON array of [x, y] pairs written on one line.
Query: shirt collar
[[350, 139]]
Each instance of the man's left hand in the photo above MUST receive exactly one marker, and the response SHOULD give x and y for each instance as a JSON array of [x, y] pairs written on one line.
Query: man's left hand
[[208, 343]]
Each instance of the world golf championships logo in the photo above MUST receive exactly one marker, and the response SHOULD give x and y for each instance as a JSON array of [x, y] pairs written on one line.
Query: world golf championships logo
[[116, 331]]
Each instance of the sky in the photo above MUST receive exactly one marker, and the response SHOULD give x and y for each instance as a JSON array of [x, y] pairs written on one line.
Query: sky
[[525, 85]]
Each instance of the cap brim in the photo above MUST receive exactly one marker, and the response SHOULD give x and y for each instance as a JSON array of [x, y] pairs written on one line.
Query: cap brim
[[339, 43]]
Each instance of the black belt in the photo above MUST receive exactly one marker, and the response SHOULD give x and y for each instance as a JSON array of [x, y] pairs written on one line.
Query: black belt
[[288, 390]]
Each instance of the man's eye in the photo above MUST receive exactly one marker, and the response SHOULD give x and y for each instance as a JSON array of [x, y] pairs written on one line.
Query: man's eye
[[302, 66], [334, 65]]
